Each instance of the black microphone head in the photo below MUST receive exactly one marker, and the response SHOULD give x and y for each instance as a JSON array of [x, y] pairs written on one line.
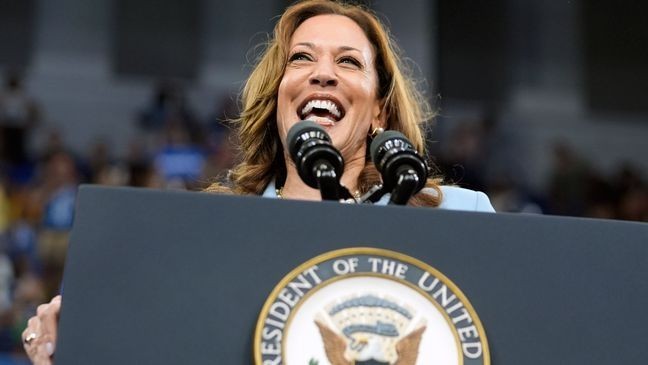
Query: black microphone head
[[392, 152], [308, 145], [379, 142], [296, 135]]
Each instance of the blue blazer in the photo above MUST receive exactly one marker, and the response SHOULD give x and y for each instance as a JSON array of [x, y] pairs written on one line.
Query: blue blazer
[[454, 198]]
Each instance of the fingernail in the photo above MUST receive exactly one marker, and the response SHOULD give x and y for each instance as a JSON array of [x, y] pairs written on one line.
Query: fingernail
[[49, 348]]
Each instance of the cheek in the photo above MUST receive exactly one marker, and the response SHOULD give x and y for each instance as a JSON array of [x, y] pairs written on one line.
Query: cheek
[[289, 87], [366, 87], [369, 87], [367, 92], [283, 106], [282, 99]]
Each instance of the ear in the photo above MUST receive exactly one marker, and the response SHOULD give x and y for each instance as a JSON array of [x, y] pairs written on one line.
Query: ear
[[380, 116]]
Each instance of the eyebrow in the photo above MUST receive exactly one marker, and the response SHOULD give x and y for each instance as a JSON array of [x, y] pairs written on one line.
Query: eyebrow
[[341, 48], [348, 48]]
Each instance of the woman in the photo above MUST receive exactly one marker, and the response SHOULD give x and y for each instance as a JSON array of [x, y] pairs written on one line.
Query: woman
[[322, 50], [330, 63]]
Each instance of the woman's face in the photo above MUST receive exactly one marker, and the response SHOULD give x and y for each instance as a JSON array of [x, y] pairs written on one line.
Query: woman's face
[[331, 79]]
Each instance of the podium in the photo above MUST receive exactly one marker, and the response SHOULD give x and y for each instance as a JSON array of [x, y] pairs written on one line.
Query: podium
[[175, 277]]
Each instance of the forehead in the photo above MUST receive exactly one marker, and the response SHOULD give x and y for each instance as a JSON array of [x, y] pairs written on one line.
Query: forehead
[[332, 30]]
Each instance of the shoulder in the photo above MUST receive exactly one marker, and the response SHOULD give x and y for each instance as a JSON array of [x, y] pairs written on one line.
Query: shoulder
[[456, 198]]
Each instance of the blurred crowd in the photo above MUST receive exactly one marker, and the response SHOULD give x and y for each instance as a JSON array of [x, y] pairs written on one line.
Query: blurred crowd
[[484, 155], [177, 149], [174, 149]]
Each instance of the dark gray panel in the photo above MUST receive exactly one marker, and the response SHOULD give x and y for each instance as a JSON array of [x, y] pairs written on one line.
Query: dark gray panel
[[172, 277]]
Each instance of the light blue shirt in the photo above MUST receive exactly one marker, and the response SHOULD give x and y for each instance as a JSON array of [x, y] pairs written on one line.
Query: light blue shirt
[[454, 198]]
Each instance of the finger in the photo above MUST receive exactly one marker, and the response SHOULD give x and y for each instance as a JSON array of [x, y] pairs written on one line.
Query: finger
[[49, 325], [30, 349], [56, 301], [40, 351], [41, 308], [31, 326], [41, 356], [32, 353], [31, 346]]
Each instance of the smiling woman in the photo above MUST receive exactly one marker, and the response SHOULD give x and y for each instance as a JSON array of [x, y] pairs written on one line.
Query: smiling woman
[[335, 64]]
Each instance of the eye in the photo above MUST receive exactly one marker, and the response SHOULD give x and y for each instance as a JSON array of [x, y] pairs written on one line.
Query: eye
[[300, 56], [350, 61]]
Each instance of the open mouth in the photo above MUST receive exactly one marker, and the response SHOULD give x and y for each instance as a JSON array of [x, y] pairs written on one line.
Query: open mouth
[[324, 110]]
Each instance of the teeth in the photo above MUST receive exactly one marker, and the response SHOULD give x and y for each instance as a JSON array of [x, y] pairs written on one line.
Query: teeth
[[321, 120], [321, 104]]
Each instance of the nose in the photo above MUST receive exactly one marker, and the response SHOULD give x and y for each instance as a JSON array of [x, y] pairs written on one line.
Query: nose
[[324, 75]]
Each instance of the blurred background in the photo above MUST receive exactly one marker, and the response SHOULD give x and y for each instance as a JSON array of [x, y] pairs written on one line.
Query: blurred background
[[541, 104]]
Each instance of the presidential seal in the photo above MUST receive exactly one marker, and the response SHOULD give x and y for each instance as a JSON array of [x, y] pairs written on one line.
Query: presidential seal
[[368, 306]]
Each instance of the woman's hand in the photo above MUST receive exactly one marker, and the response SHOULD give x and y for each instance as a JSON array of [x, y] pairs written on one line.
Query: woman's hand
[[39, 338]]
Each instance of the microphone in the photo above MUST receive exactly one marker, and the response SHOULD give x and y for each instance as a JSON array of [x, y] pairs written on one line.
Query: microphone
[[404, 172], [319, 164]]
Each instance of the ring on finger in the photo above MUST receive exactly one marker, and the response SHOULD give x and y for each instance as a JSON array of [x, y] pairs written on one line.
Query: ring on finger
[[30, 338]]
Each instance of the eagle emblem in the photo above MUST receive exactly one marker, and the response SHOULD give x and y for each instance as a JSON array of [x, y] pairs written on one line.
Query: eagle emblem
[[369, 329]]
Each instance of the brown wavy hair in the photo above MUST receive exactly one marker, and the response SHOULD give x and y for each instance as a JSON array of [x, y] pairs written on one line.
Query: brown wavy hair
[[261, 151]]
